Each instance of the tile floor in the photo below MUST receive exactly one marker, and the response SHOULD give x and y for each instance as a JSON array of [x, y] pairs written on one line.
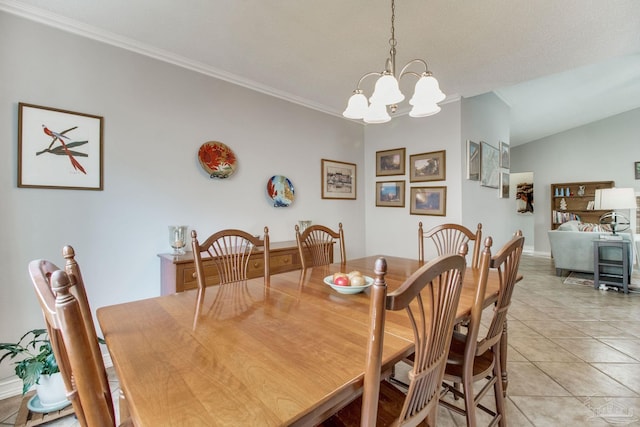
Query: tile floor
[[574, 356]]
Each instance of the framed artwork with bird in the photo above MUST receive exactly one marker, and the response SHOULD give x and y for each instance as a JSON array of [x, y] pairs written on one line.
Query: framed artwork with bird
[[59, 149]]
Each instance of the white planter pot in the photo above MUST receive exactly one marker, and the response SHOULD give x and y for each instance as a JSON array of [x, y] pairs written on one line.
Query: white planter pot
[[51, 391]]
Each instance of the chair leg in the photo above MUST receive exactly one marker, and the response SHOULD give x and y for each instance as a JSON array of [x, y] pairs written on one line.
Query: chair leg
[[503, 344], [469, 402], [498, 391]]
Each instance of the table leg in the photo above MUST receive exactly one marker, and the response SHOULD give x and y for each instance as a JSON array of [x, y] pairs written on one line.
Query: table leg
[[503, 358]]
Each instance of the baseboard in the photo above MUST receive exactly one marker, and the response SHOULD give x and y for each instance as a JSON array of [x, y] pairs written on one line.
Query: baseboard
[[13, 387], [10, 387]]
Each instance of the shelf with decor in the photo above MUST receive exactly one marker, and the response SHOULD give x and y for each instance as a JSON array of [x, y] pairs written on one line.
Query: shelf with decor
[[574, 201]]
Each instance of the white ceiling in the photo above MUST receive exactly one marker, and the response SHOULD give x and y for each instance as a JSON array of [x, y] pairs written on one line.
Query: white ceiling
[[557, 63]]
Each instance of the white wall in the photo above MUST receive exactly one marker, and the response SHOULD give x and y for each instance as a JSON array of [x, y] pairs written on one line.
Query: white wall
[[392, 230], [156, 116], [600, 151], [485, 118]]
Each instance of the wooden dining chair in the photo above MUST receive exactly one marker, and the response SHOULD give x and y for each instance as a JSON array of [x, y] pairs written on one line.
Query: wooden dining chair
[[472, 359], [430, 297], [447, 239], [319, 240], [230, 251], [73, 337]]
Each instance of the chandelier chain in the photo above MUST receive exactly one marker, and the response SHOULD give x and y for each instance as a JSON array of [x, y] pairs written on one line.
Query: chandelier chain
[[392, 40]]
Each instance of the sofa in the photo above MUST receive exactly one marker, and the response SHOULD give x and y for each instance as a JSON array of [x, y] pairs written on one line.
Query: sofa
[[572, 246]]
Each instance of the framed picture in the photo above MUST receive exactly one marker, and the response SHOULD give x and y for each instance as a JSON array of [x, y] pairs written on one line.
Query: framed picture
[[489, 171], [428, 166], [505, 159], [390, 193], [637, 169], [338, 180], [390, 162], [473, 161], [428, 201], [59, 149], [504, 185]]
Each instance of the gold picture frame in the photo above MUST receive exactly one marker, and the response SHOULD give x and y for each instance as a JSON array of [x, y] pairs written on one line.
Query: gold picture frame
[[429, 201], [428, 166], [59, 149], [390, 194], [390, 162], [338, 179]]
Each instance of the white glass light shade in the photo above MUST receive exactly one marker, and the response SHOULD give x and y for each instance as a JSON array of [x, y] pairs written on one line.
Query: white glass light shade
[[377, 113], [615, 198], [424, 110], [386, 91], [356, 107], [427, 91]]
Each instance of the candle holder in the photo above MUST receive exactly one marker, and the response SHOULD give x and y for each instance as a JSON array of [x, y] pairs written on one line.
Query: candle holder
[[178, 238]]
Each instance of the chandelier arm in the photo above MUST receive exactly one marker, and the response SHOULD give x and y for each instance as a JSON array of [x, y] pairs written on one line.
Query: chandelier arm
[[410, 63], [372, 73], [412, 73]]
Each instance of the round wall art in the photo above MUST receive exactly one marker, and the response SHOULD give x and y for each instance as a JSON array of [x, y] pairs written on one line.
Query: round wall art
[[218, 160], [280, 190]]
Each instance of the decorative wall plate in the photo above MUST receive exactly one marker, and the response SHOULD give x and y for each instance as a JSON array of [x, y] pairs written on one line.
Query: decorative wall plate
[[280, 190], [218, 160]]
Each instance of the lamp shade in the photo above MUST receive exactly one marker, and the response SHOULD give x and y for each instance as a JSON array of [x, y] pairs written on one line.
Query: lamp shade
[[424, 109], [386, 91], [377, 113], [427, 90], [615, 198], [356, 107]]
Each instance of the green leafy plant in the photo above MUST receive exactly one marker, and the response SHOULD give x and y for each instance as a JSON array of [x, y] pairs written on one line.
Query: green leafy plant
[[38, 359]]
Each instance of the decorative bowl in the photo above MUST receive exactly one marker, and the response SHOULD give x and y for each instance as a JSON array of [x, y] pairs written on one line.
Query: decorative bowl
[[348, 289]]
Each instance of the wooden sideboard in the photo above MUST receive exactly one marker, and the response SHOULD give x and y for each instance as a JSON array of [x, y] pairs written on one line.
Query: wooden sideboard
[[177, 271]]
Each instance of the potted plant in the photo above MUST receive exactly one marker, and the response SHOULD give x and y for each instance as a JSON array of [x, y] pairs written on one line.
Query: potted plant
[[37, 366]]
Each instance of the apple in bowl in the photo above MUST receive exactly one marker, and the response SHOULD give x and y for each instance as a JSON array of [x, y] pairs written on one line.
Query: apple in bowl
[[342, 281]]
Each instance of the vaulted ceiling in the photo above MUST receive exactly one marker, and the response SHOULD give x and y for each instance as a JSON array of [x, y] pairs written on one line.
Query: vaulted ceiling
[[558, 64]]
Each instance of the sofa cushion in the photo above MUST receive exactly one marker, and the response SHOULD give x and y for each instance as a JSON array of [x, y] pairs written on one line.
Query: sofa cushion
[[594, 227], [569, 226], [584, 226]]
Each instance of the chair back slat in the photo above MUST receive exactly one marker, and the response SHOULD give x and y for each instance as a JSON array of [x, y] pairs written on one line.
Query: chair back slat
[[447, 239], [74, 341], [316, 245], [430, 297]]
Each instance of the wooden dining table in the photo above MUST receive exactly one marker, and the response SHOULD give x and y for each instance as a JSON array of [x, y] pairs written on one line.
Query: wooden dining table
[[287, 353]]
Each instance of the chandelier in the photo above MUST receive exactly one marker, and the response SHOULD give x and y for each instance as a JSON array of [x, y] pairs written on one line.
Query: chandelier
[[425, 98]]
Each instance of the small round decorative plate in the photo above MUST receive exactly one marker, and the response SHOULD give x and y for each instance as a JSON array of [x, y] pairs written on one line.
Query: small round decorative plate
[[218, 160], [281, 191]]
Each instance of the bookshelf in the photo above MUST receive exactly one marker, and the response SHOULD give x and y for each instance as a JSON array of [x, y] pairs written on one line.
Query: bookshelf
[[568, 202]]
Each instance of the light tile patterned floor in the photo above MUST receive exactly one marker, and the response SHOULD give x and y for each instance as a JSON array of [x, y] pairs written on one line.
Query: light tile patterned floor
[[574, 356]]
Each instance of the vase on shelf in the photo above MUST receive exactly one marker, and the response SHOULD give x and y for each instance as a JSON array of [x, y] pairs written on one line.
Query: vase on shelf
[[178, 238], [581, 190]]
